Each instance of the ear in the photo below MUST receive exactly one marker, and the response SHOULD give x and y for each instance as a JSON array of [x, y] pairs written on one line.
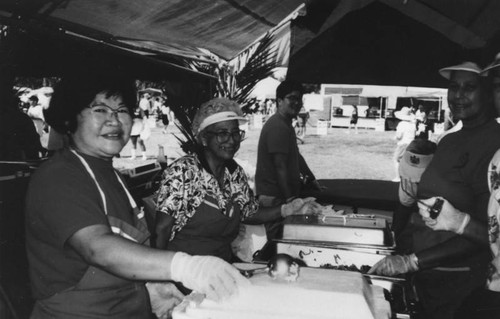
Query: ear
[[70, 126], [203, 139]]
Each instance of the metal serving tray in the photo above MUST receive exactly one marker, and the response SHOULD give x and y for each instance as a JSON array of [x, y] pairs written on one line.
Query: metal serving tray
[[339, 229], [321, 254]]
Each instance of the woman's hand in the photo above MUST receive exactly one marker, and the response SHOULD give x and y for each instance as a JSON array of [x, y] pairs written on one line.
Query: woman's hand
[[164, 296], [301, 206], [207, 274], [450, 218]]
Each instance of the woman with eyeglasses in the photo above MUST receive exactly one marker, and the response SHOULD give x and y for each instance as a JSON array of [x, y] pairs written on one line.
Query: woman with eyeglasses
[[205, 195], [87, 241]]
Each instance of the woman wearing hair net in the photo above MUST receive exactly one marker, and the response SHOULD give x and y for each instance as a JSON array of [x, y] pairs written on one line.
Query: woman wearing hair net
[[205, 195]]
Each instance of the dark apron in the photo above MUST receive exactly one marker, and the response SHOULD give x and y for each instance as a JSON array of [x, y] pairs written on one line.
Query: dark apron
[[100, 294], [209, 232]]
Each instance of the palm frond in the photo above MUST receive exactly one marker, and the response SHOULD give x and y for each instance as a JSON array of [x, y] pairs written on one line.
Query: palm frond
[[234, 86], [188, 140], [260, 65]]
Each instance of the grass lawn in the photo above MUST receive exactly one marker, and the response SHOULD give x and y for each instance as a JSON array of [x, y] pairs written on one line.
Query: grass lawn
[[366, 155]]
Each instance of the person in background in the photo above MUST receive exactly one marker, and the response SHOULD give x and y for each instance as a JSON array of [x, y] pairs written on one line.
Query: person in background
[[447, 266], [282, 173], [484, 302], [156, 107], [204, 196], [269, 104], [301, 124], [262, 107], [139, 133], [353, 123], [35, 112], [272, 109], [405, 133], [145, 104], [19, 140], [420, 113], [165, 116], [421, 121], [86, 239]]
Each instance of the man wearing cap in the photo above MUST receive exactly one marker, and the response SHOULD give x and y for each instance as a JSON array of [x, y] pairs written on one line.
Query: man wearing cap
[[449, 267], [281, 170], [485, 301]]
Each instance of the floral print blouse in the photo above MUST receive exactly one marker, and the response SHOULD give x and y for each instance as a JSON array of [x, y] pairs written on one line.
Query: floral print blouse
[[185, 183], [493, 225]]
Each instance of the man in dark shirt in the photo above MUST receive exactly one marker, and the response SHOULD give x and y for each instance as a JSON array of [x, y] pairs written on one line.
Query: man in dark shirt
[[281, 171]]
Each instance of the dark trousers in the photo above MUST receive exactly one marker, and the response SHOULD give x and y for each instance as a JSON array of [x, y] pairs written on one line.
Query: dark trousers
[[442, 293], [482, 303], [274, 230]]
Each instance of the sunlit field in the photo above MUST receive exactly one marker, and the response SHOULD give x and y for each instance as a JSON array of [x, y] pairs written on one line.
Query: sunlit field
[[366, 155]]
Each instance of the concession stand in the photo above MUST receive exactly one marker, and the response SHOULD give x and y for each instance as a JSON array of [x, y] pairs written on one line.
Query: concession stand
[[352, 234], [182, 43]]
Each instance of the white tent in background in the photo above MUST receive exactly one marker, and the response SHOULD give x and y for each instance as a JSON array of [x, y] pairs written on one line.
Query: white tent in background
[[265, 89]]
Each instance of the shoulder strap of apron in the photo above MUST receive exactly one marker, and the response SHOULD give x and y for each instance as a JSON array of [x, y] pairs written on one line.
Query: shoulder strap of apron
[[130, 234]]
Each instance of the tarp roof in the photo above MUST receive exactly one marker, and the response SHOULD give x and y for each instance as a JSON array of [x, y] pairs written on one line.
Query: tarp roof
[[401, 42], [224, 27], [391, 42]]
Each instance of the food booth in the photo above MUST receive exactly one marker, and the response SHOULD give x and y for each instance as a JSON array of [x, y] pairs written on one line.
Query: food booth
[[158, 41]]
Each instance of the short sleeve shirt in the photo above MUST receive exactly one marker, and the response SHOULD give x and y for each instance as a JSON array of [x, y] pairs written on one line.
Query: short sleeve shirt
[[493, 217], [186, 182], [62, 198], [457, 172], [277, 137]]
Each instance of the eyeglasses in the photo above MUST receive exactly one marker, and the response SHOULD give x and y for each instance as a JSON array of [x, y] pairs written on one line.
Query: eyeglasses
[[103, 111], [223, 136], [294, 98]]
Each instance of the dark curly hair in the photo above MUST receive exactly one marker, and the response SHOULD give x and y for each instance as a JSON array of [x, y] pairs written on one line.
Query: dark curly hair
[[286, 87], [77, 90]]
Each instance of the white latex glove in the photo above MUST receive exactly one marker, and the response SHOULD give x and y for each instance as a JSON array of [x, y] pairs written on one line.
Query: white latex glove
[[164, 296], [395, 265], [209, 275], [301, 206], [450, 218]]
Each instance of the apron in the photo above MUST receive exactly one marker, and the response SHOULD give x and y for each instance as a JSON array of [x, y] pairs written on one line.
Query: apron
[[209, 232], [100, 294]]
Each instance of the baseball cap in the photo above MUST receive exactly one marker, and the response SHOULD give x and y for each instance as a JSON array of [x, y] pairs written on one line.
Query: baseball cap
[[464, 66]]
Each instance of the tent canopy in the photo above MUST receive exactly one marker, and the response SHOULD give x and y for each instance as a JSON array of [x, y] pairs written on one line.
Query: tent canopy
[[183, 28], [391, 42], [384, 42]]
